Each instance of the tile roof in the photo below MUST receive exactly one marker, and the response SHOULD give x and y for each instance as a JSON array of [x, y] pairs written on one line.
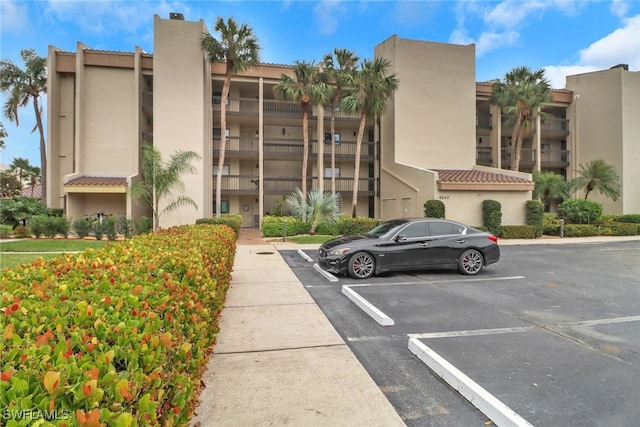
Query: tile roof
[[99, 181], [35, 194], [476, 176]]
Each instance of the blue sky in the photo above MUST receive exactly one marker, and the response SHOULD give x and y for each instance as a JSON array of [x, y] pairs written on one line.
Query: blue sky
[[562, 36]]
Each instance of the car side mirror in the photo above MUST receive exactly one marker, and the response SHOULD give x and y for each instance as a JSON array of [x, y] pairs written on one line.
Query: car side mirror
[[401, 238]]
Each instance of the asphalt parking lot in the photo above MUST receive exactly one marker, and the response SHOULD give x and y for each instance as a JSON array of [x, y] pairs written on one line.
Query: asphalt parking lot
[[550, 332]]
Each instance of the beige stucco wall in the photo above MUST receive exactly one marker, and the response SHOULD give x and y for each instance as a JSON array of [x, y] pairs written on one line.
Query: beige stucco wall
[[181, 110], [605, 124]]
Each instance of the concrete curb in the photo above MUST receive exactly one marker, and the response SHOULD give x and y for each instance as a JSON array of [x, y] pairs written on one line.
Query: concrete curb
[[330, 277], [367, 307]]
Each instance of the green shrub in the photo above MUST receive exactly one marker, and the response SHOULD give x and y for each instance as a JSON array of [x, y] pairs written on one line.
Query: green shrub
[[98, 230], [630, 218], [82, 226], [123, 332], [492, 216], [142, 225], [62, 225], [349, 225], [550, 224], [5, 231], [109, 228], [518, 232], [580, 211], [126, 227], [434, 209], [535, 216], [12, 211], [273, 226], [234, 221], [327, 229], [37, 226]]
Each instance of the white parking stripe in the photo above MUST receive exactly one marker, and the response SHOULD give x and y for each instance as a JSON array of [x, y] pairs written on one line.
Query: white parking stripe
[[498, 412], [304, 255], [367, 307]]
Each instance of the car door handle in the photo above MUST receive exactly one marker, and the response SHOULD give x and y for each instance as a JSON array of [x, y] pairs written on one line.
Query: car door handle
[[461, 241], [424, 245]]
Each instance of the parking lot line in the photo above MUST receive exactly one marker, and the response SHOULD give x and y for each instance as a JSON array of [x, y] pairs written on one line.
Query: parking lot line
[[367, 307], [488, 404]]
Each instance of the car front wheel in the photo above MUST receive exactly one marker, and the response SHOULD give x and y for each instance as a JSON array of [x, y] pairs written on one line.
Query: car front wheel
[[470, 262], [361, 265]]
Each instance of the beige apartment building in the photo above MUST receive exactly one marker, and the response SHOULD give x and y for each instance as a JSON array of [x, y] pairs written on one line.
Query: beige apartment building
[[440, 138]]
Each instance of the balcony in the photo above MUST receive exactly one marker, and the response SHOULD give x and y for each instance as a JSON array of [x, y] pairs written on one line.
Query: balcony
[[282, 148], [275, 108], [550, 127], [549, 159], [484, 156], [483, 121], [147, 102], [281, 185]]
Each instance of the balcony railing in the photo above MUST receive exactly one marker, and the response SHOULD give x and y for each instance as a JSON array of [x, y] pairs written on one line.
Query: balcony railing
[[281, 147], [275, 108], [528, 157], [279, 185], [551, 125], [484, 155]]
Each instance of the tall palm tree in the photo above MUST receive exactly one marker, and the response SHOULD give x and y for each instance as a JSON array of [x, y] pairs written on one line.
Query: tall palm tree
[[598, 175], [337, 67], [238, 48], [22, 86], [319, 207], [20, 166], [550, 187], [369, 91], [33, 177], [307, 88], [521, 95], [160, 178], [3, 135]]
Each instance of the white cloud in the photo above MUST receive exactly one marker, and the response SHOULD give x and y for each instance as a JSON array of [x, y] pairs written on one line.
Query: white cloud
[[619, 8], [13, 16], [327, 14], [489, 41], [556, 74], [621, 46]]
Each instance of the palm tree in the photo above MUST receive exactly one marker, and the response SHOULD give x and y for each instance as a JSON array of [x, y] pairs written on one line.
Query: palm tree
[[369, 89], [33, 177], [3, 135], [239, 48], [160, 178], [550, 187], [22, 86], [319, 207], [307, 88], [337, 67], [20, 166], [598, 175], [522, 95]]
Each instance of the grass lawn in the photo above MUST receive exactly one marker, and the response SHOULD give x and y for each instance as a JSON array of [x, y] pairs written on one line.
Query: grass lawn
[[39, 247], [315, 239]]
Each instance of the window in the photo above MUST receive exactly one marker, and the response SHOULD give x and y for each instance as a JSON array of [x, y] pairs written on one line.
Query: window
[[216, 133], [439, 228], [327, 172], [418, 229], [545, 148], [225, 170], [224, 206], [216, 96], [327, 138]]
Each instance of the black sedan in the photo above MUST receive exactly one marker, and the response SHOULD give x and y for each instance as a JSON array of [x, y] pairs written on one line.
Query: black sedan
[[410, 244]]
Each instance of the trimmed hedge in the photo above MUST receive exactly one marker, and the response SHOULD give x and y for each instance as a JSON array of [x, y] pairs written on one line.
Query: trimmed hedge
[[580, 211], [234, 221], [535, 216], [118, 336], [272, 226], [492, 216], [434, 209], [349, 225], [518, 232]]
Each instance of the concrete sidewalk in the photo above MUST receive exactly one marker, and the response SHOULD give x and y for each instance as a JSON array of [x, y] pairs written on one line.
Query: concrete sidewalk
[[278, 361]]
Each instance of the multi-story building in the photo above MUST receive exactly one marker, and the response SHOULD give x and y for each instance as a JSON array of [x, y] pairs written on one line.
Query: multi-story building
[[440, 138]]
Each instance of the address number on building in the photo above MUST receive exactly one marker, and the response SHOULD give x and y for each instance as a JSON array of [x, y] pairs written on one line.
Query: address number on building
[[443, 197]]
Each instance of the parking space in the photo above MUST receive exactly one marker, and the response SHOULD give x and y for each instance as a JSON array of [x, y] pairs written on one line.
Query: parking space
[[552, 332]]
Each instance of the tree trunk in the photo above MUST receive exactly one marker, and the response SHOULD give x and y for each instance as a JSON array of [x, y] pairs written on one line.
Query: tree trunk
[[356, 172], [43, 152], [333, 148], [305, 152], [516, 141], [223, 142]]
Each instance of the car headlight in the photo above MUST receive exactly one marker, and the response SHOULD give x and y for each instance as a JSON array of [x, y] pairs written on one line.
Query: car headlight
[[338, 252]]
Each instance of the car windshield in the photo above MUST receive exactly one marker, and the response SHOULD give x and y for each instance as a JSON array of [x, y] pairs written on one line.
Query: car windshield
[[386, 229]]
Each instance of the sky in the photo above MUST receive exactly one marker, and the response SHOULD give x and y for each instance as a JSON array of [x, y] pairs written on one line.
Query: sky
[[563, 37]]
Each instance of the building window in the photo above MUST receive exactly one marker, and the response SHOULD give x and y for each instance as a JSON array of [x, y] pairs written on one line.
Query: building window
[[545, 148], [327, 172], [215, 98], [327, 138], [224, 206], [225, 170], [216, 133]]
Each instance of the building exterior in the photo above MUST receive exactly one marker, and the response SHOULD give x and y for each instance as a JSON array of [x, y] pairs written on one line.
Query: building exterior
[[440, 138]]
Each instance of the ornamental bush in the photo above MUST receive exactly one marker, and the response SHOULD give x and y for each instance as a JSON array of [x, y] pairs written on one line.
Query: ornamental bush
[[434, 209], [535, 215], [349, 225], [232, 220], [492, 216], [580, 211], [118, 336]]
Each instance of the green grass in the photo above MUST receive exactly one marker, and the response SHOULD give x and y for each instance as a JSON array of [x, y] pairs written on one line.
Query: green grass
[[49, 245], [315, 239], [38, 246]]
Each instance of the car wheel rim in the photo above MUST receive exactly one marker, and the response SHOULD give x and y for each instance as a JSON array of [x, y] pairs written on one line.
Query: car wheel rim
[[363, 266], [472, 262]]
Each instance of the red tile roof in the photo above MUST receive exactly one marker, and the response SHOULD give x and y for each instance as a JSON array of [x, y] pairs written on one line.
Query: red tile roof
[[35, 194], [116, 181], [476, 176]]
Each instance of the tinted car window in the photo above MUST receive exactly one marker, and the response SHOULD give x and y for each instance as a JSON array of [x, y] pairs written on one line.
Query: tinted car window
[[418, 229], [386, 228], [439, 228]]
